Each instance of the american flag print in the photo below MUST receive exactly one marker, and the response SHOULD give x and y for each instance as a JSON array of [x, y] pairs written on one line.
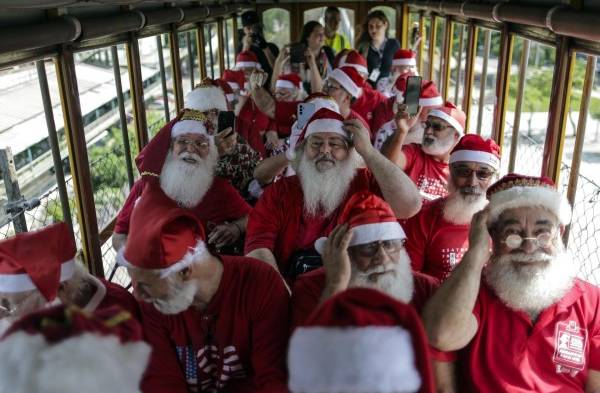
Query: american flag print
[[209, 369], [187, 358]]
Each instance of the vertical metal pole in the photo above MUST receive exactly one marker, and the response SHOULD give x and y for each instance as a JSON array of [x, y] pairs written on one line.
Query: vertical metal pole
[[483, 81], [210, 49], [514, 143], [188, 37], [421, 41], [136, 88], [176, 67], [445, 58], [227, 45], [469, 71], [163, 77], [432, 39], [201, 50], [236, 33], [502, 85], [402, 24], [122, 115], [459, 66], [13, 192], [54, 143], [220, 43]]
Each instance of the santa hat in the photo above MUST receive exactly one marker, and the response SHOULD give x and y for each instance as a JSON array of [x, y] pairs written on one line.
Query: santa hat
[[324, 120], [349, 79], [514, 191], [163, 237], [246, 59], [430, 96], [206, 96], [288, 81], [190, 122], [234, 78], [152, 157], [360, 341], [474, 148], [227, 90], [64, 349], [371, 219], [355, 60], [452, 115], [404, 57], [39, 260]]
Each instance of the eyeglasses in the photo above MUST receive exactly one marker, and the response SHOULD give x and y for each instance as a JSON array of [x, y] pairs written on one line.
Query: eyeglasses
[[370, 249], [327, 87], [466, 172], [435, 126], [335, 144], [196, 144], [542, 240]]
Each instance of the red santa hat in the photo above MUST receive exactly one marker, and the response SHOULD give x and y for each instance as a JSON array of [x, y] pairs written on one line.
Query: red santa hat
[[227, 90], [163, 237], [322, 100], [474, 148], [64, 349], [246, 59], [514, 191], [190, 122], [234, 78], [349, 79], [452, 115], [404, 57], [39, 260], [324, 120], [289, 81], [360, 340], [355, 60], [206, 96], [430, 96], [371, 219]]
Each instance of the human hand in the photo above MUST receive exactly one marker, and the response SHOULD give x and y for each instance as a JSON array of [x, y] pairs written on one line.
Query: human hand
[[258, 79], [405, 121], [359, 135], [224, 234], [480, 240], [336, 260]]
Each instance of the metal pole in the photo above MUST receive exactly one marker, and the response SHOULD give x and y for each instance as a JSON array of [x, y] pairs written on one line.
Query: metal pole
[[432, 39], [421, 41], [136, 88], [514, 142], [469, 71], [220, 44], [188, 37], [458, 68], [227, 44], [54, 143], [201, 50], [235, 32], [210, 49], [163, 77], [483, 81], [13, 192], [176, 67], [445, 58], [122, 115]]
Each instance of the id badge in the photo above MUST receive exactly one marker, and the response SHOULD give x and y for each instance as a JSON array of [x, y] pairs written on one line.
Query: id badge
[[374, 75]]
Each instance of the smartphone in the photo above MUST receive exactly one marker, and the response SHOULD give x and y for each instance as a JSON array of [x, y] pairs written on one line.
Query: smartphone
[[413, 92], [304, 112], [297, 53], [226, 120]]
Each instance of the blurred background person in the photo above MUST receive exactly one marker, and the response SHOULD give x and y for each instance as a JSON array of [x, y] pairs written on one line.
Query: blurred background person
[[252, 39], [333, 39], [319, 57]]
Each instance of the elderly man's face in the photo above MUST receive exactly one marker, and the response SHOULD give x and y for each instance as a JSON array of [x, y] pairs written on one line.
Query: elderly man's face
[[377, 258], [285, 95], [337, 92], [191, 146], [402, 69], [438, 137], [326, 149], [18, 304], [149, 286], [471, 178]]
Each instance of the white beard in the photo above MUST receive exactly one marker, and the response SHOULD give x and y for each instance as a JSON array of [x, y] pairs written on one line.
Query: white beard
[[181, 296], [535, 287], [187, 183], [460, 208], [399, 284], [325, 191], [438, 147]]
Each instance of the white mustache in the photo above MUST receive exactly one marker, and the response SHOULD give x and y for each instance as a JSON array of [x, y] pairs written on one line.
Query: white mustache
[[379, 269], [529, 258], [189, 155]]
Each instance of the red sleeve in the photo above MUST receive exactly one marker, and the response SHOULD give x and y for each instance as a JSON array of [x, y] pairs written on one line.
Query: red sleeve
[[122, 224], [164, 373], [222, 203], [305, 299], [285, 112], [265, 221], [270, 333], [411, 153], [416, 239]]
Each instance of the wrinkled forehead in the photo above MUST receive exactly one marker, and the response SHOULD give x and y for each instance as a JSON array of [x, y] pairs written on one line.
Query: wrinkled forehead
[[192, 137], [523, 217], [476, 166], [327, 137]]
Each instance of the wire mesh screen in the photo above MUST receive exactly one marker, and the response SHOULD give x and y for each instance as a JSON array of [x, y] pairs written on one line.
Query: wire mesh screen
[[112, 271]]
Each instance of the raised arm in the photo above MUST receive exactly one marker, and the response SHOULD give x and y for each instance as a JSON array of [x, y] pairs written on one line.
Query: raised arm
[[392, 148], [316, 81], [396, 187], [448, 316], [266, 170], [261, 97]]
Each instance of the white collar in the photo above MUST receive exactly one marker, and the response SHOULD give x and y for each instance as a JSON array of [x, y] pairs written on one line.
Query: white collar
[[98, 295]]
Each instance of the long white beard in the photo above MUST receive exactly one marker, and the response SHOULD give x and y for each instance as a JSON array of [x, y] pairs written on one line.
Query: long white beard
[[535, 287], [324, 191], [459, 208], [438, 146], [399, 284], [181, 296], [187, 183]]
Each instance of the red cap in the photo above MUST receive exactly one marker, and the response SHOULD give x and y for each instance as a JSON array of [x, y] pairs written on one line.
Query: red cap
[[474, 148], [289, 81], [355, 60], [234, 78], [349, 79], [246, 59], [404, 57], [323, 120], [452, 115]]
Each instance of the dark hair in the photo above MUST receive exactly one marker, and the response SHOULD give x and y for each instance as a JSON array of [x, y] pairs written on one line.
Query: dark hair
[[365, 38], [307, 30], [331, 8], [250, 18]]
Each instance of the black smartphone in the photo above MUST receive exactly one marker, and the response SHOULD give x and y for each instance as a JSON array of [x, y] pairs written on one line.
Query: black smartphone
[[413, 92], [226, 120], [297, 53]]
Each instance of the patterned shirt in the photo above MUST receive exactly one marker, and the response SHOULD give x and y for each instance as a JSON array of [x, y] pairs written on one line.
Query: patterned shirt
[[238, 167]]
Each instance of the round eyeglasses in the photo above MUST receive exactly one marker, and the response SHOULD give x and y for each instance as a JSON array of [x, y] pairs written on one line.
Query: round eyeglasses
[[370, 249], [542, 240]]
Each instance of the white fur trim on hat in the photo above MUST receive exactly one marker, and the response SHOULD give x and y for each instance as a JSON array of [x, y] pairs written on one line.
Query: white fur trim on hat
[[347, 83], [233, 85], [188, 127], [205, 98], [230, 97], [11, 283], [188, 259], [247, 64], [475, 156], [540, 196], [351, 360], [325, 125], [325, 103], [449, 119], [363, 234], [358, 67], [285, 84], [433, 101], [404, 62]]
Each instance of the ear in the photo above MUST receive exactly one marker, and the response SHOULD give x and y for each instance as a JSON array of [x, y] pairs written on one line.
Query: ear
[[561, 228], [186, 273]]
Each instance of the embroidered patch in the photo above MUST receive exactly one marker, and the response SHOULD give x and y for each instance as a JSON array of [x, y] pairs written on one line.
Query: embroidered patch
[[569, 347]]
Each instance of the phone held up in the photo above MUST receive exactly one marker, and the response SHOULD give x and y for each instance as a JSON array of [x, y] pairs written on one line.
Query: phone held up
[[413, 92], [297, 53], [226, 120], [304, 112]]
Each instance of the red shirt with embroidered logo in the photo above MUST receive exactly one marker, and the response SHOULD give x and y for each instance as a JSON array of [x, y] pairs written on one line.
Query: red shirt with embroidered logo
[[434, 244], [429, 174], [236, 345], [510, 353]]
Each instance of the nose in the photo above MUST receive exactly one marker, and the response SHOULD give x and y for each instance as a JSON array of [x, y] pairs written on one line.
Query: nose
[[325, 148], [472, 179], [380, 257], [528, 246]]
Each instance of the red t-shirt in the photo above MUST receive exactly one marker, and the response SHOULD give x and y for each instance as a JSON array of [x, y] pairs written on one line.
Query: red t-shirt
[[367, 102], [308, 288], [435, 245], [236, 345], [383, 112], [278, 223], [251, 124], [430, 175], [509, 353], [221, 203]]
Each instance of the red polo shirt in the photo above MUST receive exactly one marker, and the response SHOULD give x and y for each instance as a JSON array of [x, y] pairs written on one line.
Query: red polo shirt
[[429, 174], [510, 353]]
